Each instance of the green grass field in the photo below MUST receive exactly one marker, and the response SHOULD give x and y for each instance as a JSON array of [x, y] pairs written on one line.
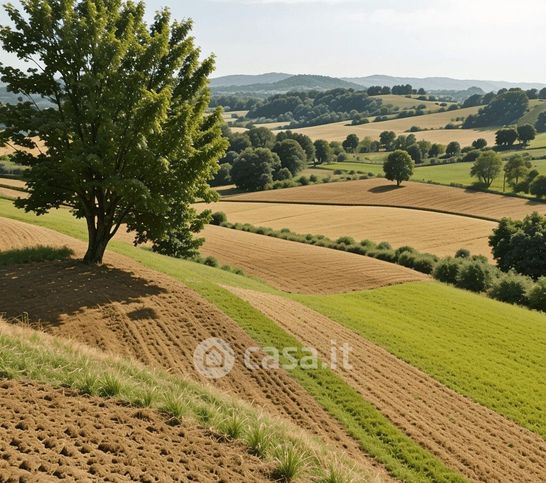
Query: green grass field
[[441, 173], [492, 352]]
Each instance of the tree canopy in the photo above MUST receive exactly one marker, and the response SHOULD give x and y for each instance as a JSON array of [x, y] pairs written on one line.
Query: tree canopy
[[487, 167], [521, 245], [253, 169], [128, 139], [398, 166]]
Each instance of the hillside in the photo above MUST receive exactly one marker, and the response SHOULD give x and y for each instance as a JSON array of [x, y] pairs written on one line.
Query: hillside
[[427, 83], [292, 83], [380, 192], [441, 83], [411, 447]]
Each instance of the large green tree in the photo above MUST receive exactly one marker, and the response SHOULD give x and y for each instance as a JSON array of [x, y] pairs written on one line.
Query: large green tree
[[487, 167], [521, 245], [398, 166], [291, 154], [127, 139]]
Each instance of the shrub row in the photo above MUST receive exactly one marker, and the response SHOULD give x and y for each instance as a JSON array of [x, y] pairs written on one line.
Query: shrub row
[[465, 271]]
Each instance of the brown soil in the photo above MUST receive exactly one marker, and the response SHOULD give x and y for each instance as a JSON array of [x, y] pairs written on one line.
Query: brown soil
[[380, 192], [301, 268], [131, 311], [11, 194], [467, 436], [16, 183], [437, 233], [47, 434], [16, 234]]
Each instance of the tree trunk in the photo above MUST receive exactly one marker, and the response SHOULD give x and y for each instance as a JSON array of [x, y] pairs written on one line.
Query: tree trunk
[[98, 240]]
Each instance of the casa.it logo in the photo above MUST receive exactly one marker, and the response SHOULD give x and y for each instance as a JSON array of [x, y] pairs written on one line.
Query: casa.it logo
[[214, 358]]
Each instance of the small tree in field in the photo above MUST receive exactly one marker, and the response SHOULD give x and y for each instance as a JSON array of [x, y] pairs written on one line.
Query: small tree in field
[[398, 166], [526, 133], [127, 139], [487, 167], [538, 187]]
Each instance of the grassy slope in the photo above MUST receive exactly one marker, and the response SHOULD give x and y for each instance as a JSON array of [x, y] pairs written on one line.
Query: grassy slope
[[404, 458], [492, 352]]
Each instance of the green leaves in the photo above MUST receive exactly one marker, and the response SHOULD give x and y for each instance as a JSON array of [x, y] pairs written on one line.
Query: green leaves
[[128, 138]]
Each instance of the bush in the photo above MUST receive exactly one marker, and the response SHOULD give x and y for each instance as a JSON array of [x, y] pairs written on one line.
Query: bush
[[303, 180], [447, 270], [211, 261], [462, 253], [474, 275], [536, 296], [384, 246], [511, 288], [218, 217], [345, 240], [385, 255], [282, 174], [404, 249]]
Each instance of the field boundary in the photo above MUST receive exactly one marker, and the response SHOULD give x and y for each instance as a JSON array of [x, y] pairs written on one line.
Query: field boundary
[[369, 205]]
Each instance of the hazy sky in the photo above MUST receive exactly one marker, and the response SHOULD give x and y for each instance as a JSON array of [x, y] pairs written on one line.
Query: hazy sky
[[479, 39]]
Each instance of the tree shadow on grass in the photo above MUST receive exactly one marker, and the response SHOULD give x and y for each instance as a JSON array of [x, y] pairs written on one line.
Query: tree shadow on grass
[[47, 292]]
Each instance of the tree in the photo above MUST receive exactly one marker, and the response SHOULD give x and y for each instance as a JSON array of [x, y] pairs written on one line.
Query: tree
[[239, 141], [128, 139], [453, 148], [398, 166], [487, 167], [506, 137], [521, 245], [323, 152], [424, 147], [526, 133], [253, 169], [437, 150], [540, 125], [505, 108], [415, 153], [261, 137], [538, 186], [291, 155], [542, 93], [351, 143], [223, 176], [479, 143], [387, 138], [516, 168], [303, 140]]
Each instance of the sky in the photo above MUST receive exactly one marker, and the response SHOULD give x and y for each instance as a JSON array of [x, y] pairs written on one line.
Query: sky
[[464, 39]]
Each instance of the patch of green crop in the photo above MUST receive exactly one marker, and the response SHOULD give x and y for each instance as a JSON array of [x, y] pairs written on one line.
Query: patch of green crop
[[490, 351]]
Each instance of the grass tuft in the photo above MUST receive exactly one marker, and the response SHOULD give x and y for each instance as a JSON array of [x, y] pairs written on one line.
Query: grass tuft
[[34, 254]]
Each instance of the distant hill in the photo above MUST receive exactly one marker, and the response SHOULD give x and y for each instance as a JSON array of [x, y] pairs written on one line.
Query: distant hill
[[246, 80], [251, 82], [440, 83], [300, 82]]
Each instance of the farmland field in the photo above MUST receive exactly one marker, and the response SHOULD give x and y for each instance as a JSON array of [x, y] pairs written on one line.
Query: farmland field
[[434, 122], [300, 268], [436, 233], [345, 399], [489, 351], [404, 102], [380, 192], [407, 395]]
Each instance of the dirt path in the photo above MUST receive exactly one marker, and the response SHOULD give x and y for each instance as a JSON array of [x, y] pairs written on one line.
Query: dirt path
[[300, 268], [468, 437], [131, 311], [48, 434]]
